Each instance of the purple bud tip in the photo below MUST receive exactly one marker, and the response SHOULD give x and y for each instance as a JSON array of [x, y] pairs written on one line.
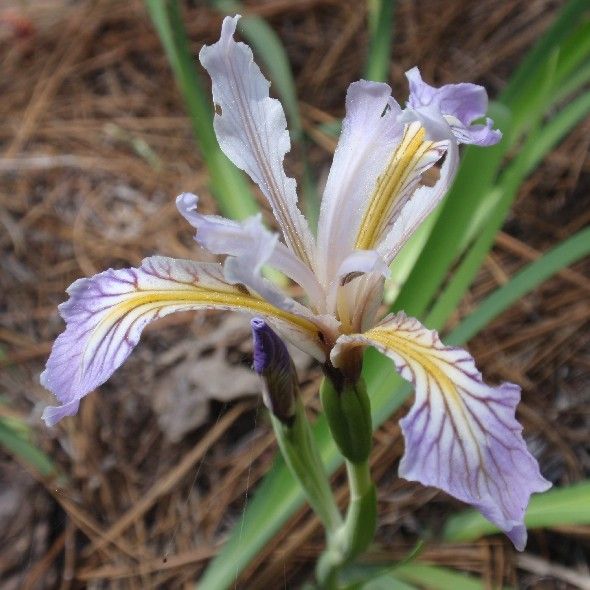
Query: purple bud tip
[[273, 362], [270, 352]]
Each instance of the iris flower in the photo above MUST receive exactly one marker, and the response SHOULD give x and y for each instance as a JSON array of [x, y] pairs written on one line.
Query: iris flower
[[392, 166]]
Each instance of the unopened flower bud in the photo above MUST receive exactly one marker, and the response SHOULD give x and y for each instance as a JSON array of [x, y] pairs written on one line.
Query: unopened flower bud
[[273, 363], [348, 411]]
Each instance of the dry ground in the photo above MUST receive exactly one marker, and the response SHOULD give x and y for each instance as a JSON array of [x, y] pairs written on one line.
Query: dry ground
[[95, 145]]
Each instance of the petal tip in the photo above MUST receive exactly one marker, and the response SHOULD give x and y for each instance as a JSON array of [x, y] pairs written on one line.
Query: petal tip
[[518, 535], [187, 204], [53, 414], [228, 26], [413, 74]]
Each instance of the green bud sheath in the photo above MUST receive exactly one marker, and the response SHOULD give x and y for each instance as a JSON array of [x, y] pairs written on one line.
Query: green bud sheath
[[348, 412]]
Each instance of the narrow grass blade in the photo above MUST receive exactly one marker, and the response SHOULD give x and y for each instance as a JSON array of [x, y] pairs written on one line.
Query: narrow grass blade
[[414, 575], [14, 437], [536, 148], [387, 582], [522, 83], [380, 13], [566, 253], [436, 578], [560, 506], [229, 186], [406, 259]]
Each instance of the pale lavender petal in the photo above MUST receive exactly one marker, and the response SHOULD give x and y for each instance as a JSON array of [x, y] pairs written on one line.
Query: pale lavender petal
[[370, 134], [464, 101], [461, 434], [106, 314], [53, 414], [362, 262], [252, 131], [251, 243], [458, 104], [414, 209], [399, 183]]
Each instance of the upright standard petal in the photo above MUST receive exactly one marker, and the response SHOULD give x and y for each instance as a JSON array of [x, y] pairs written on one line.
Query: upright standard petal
[[461, 434], [458, 104], [404, 173], [370, 134], [252, 245], [106, 314], [414, 209], [252, 131]]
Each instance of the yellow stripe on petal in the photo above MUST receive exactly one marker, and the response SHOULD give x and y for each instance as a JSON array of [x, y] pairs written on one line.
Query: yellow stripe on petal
[[413, 156], [107, 313], [152, 300], [422, 354]]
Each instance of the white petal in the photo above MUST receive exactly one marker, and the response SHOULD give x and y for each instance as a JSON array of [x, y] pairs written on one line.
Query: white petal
[[413, 157], [251, 243], [369, 135], [415, 209], [252, 131], [362, 262]]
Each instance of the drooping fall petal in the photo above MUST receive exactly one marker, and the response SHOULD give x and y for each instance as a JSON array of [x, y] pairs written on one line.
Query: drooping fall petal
[[461, 435], [106, 314], [251, 129]]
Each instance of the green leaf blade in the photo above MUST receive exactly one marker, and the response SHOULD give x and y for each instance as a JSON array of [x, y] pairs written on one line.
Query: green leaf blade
[[561, 506]]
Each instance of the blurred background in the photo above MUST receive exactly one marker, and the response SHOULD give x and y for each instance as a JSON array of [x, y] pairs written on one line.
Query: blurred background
[[141, 489]]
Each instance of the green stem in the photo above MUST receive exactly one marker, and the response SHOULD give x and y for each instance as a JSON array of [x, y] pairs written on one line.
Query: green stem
[[358, 529], [361, 517], [359, 479], [348, 412], [299, 450]]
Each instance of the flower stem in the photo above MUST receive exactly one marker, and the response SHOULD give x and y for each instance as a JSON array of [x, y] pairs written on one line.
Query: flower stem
[[356, 532], [299, 450], [361, 517]]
